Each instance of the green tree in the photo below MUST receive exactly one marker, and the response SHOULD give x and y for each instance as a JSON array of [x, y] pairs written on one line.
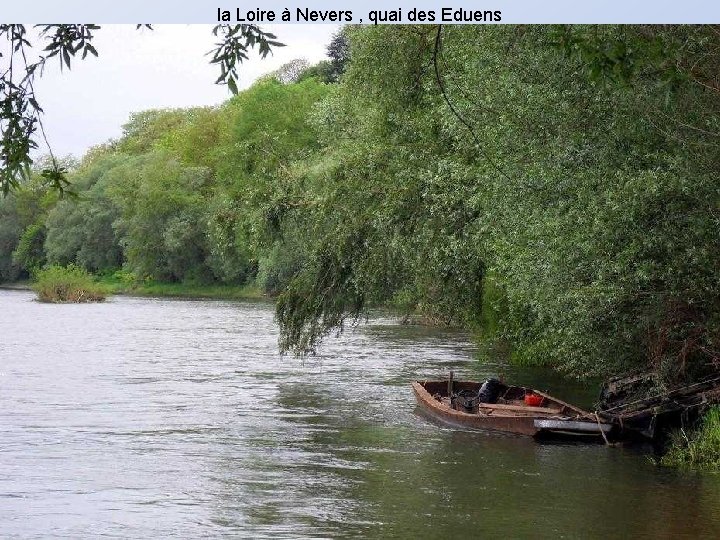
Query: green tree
[[29, 253], [80, 230], [338, 50], [162, 216], [10, 231], [452, 153], [20, 109]]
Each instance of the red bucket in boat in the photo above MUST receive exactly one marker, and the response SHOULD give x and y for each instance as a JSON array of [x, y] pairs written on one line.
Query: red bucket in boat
[[533, 400]]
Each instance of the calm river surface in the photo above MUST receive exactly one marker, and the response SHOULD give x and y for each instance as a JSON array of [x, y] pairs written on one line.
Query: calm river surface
[[170, 418]]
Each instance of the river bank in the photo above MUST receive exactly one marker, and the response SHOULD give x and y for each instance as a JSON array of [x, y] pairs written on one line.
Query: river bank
[[113, 285], [15, 286]]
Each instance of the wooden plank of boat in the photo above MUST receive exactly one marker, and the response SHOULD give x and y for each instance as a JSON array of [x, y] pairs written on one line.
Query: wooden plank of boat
[[509, 417], [519, 408]]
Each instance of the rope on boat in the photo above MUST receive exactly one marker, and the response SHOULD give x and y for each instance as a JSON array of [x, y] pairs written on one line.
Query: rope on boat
[[597, 418]]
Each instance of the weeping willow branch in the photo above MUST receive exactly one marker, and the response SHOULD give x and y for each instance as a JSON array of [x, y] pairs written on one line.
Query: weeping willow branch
[[453, 109]]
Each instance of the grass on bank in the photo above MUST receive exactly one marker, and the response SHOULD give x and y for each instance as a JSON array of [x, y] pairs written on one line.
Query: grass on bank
[[125, 283], [71, 284], [60, 284], [697, 449]]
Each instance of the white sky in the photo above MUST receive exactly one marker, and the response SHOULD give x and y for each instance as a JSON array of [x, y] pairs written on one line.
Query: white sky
[[142, 69]]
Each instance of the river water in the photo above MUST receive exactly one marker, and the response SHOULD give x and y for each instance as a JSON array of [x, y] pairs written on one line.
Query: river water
[[172, 418]]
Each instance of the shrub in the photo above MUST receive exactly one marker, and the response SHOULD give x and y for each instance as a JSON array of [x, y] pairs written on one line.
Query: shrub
[[66, 284]]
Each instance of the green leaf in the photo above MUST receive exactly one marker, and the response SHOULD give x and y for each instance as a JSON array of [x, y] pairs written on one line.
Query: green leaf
[[232, 85]]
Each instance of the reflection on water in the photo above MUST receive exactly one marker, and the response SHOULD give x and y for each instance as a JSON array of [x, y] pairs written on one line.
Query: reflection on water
[[171, 418]]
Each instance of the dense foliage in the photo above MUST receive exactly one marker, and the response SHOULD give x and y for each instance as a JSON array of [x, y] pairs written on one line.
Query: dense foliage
[[554, 189]]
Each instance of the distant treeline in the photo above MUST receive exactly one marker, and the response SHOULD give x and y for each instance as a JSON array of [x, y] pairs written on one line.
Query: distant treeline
[[555, 189]]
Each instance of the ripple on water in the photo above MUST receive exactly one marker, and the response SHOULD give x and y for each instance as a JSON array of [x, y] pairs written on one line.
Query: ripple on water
[[148, 417]]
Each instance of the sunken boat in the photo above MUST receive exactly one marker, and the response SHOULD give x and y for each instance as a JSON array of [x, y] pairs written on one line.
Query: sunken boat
[[641, 407], [493, 405]]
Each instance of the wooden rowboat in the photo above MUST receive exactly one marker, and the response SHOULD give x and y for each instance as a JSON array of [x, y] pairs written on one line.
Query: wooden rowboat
[[457, 403]]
